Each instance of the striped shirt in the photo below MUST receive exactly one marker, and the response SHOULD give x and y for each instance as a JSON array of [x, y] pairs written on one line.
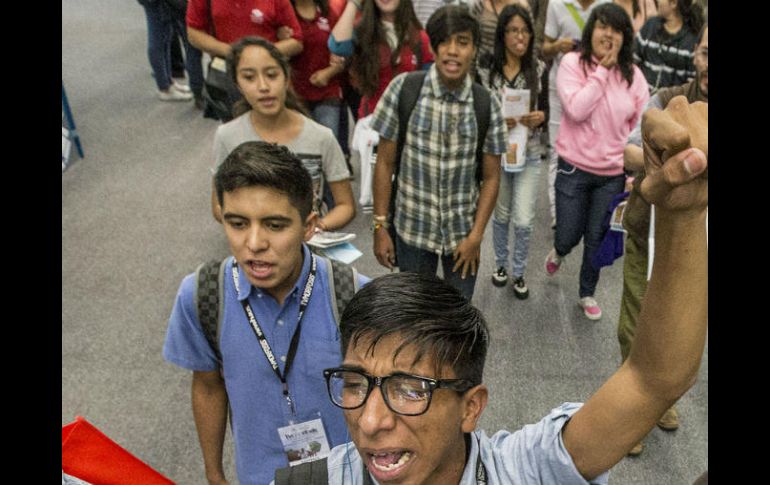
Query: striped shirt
[[665, 59], [437, 187]]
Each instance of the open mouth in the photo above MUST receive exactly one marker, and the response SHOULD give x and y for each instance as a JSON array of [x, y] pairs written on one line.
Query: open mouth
[[259, 269], [387, 465], [451, 67]]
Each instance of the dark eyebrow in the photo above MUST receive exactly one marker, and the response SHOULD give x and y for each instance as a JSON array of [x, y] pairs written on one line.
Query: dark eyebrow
[[277, 219]]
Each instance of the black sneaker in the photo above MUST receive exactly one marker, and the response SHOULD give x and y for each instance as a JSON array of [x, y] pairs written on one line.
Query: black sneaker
[[520, 288], [500, 277]]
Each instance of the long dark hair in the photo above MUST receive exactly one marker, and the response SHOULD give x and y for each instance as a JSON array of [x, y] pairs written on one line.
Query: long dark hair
[[613, 15], [370, 36], [528, 63], [234, 58], [692, 15]]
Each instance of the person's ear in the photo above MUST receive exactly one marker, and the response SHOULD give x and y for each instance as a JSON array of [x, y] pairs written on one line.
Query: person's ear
[[474, 402], [310, 226]]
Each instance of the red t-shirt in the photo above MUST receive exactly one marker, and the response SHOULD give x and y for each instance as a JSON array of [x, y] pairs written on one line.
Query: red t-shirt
[[407, 62], [315, 56], [252, 17]]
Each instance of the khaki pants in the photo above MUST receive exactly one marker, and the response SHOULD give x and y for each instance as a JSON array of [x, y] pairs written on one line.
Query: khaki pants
[[634, 287]]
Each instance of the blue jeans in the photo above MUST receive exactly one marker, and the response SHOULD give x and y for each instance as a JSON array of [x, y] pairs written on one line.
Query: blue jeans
[[163, 23], [326, 114], [582, 200], [516, 200], [423, 261]]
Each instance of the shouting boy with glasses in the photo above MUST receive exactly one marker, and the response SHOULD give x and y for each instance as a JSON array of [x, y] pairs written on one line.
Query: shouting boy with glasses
[[411, 380]]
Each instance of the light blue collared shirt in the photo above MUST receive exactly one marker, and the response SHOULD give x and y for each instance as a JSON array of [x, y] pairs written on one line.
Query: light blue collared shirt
[[533, 455], [254, 391]]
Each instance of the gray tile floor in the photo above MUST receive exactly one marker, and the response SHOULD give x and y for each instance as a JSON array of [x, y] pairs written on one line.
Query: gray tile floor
[[135, 220]]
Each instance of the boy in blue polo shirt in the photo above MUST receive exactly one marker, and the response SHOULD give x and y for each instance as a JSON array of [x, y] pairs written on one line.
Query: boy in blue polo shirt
[[277, 324]]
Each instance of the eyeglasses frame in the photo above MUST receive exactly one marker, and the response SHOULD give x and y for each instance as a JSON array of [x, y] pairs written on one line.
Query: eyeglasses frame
[[458, 385]]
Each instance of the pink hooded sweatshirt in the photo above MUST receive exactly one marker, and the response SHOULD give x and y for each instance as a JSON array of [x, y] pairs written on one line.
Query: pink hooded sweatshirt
[[599, 110]]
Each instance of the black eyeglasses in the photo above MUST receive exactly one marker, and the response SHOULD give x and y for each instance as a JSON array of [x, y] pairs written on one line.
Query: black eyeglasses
[[515, 31], [404, 394]]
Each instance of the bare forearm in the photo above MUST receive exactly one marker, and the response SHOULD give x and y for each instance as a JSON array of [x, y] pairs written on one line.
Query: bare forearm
[[383, 175], [550, 48], [633, 158], [209, 405], [673, 321], [207, 43], [344, 206], [343, 30], [289, 47]]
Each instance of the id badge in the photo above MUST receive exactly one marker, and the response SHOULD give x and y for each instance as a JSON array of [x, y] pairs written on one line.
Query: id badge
[[304, 441]]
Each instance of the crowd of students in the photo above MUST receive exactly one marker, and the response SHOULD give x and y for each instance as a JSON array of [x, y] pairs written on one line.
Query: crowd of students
[[437, 95]]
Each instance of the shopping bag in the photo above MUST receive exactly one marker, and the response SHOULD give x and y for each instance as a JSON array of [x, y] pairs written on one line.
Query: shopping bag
[[90, 455]]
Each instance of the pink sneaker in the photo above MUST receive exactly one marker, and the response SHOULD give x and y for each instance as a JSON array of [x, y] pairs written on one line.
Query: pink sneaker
[[552, 262], [590, 308]]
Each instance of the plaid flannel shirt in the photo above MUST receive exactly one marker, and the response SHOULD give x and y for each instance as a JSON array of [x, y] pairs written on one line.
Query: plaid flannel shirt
[[437, 187]]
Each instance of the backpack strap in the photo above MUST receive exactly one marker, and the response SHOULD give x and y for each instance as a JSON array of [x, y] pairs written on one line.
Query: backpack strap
[[481, 104], [407, 100], [310, 473], [209, 278], [343, 279]]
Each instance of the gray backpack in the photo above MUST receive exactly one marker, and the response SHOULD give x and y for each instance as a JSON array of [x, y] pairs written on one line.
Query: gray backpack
[[209, 278]]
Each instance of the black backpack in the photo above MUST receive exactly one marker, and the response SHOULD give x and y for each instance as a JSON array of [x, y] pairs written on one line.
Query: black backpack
[[209, 278], [407, 100]]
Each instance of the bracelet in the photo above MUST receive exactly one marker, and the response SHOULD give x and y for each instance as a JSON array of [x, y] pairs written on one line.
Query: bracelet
[[358, 4], [379, 225], [376, 218]]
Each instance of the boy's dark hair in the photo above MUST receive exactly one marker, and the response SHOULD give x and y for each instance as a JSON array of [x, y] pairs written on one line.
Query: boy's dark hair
[[262, 164], [613, 15], [449, 20], [424, 312]]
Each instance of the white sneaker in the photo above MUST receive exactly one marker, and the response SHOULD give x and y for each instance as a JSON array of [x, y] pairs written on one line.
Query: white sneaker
[[590, 308], [179, 86], [172, 94]]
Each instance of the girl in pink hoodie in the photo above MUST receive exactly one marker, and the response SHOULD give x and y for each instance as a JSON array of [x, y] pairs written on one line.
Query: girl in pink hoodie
[[602, 95]]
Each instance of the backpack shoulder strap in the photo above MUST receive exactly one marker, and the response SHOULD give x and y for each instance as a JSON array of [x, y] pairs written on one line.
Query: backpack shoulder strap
[[310, 473], [481, 105], [407, 99], [209, 278], [343, 280]]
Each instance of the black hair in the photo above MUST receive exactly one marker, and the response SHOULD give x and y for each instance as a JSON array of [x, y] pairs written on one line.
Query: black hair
[[528, 62], [613, 15], [425, 313], [262, 164], [692, 15], [449, 20], [234, 58]]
